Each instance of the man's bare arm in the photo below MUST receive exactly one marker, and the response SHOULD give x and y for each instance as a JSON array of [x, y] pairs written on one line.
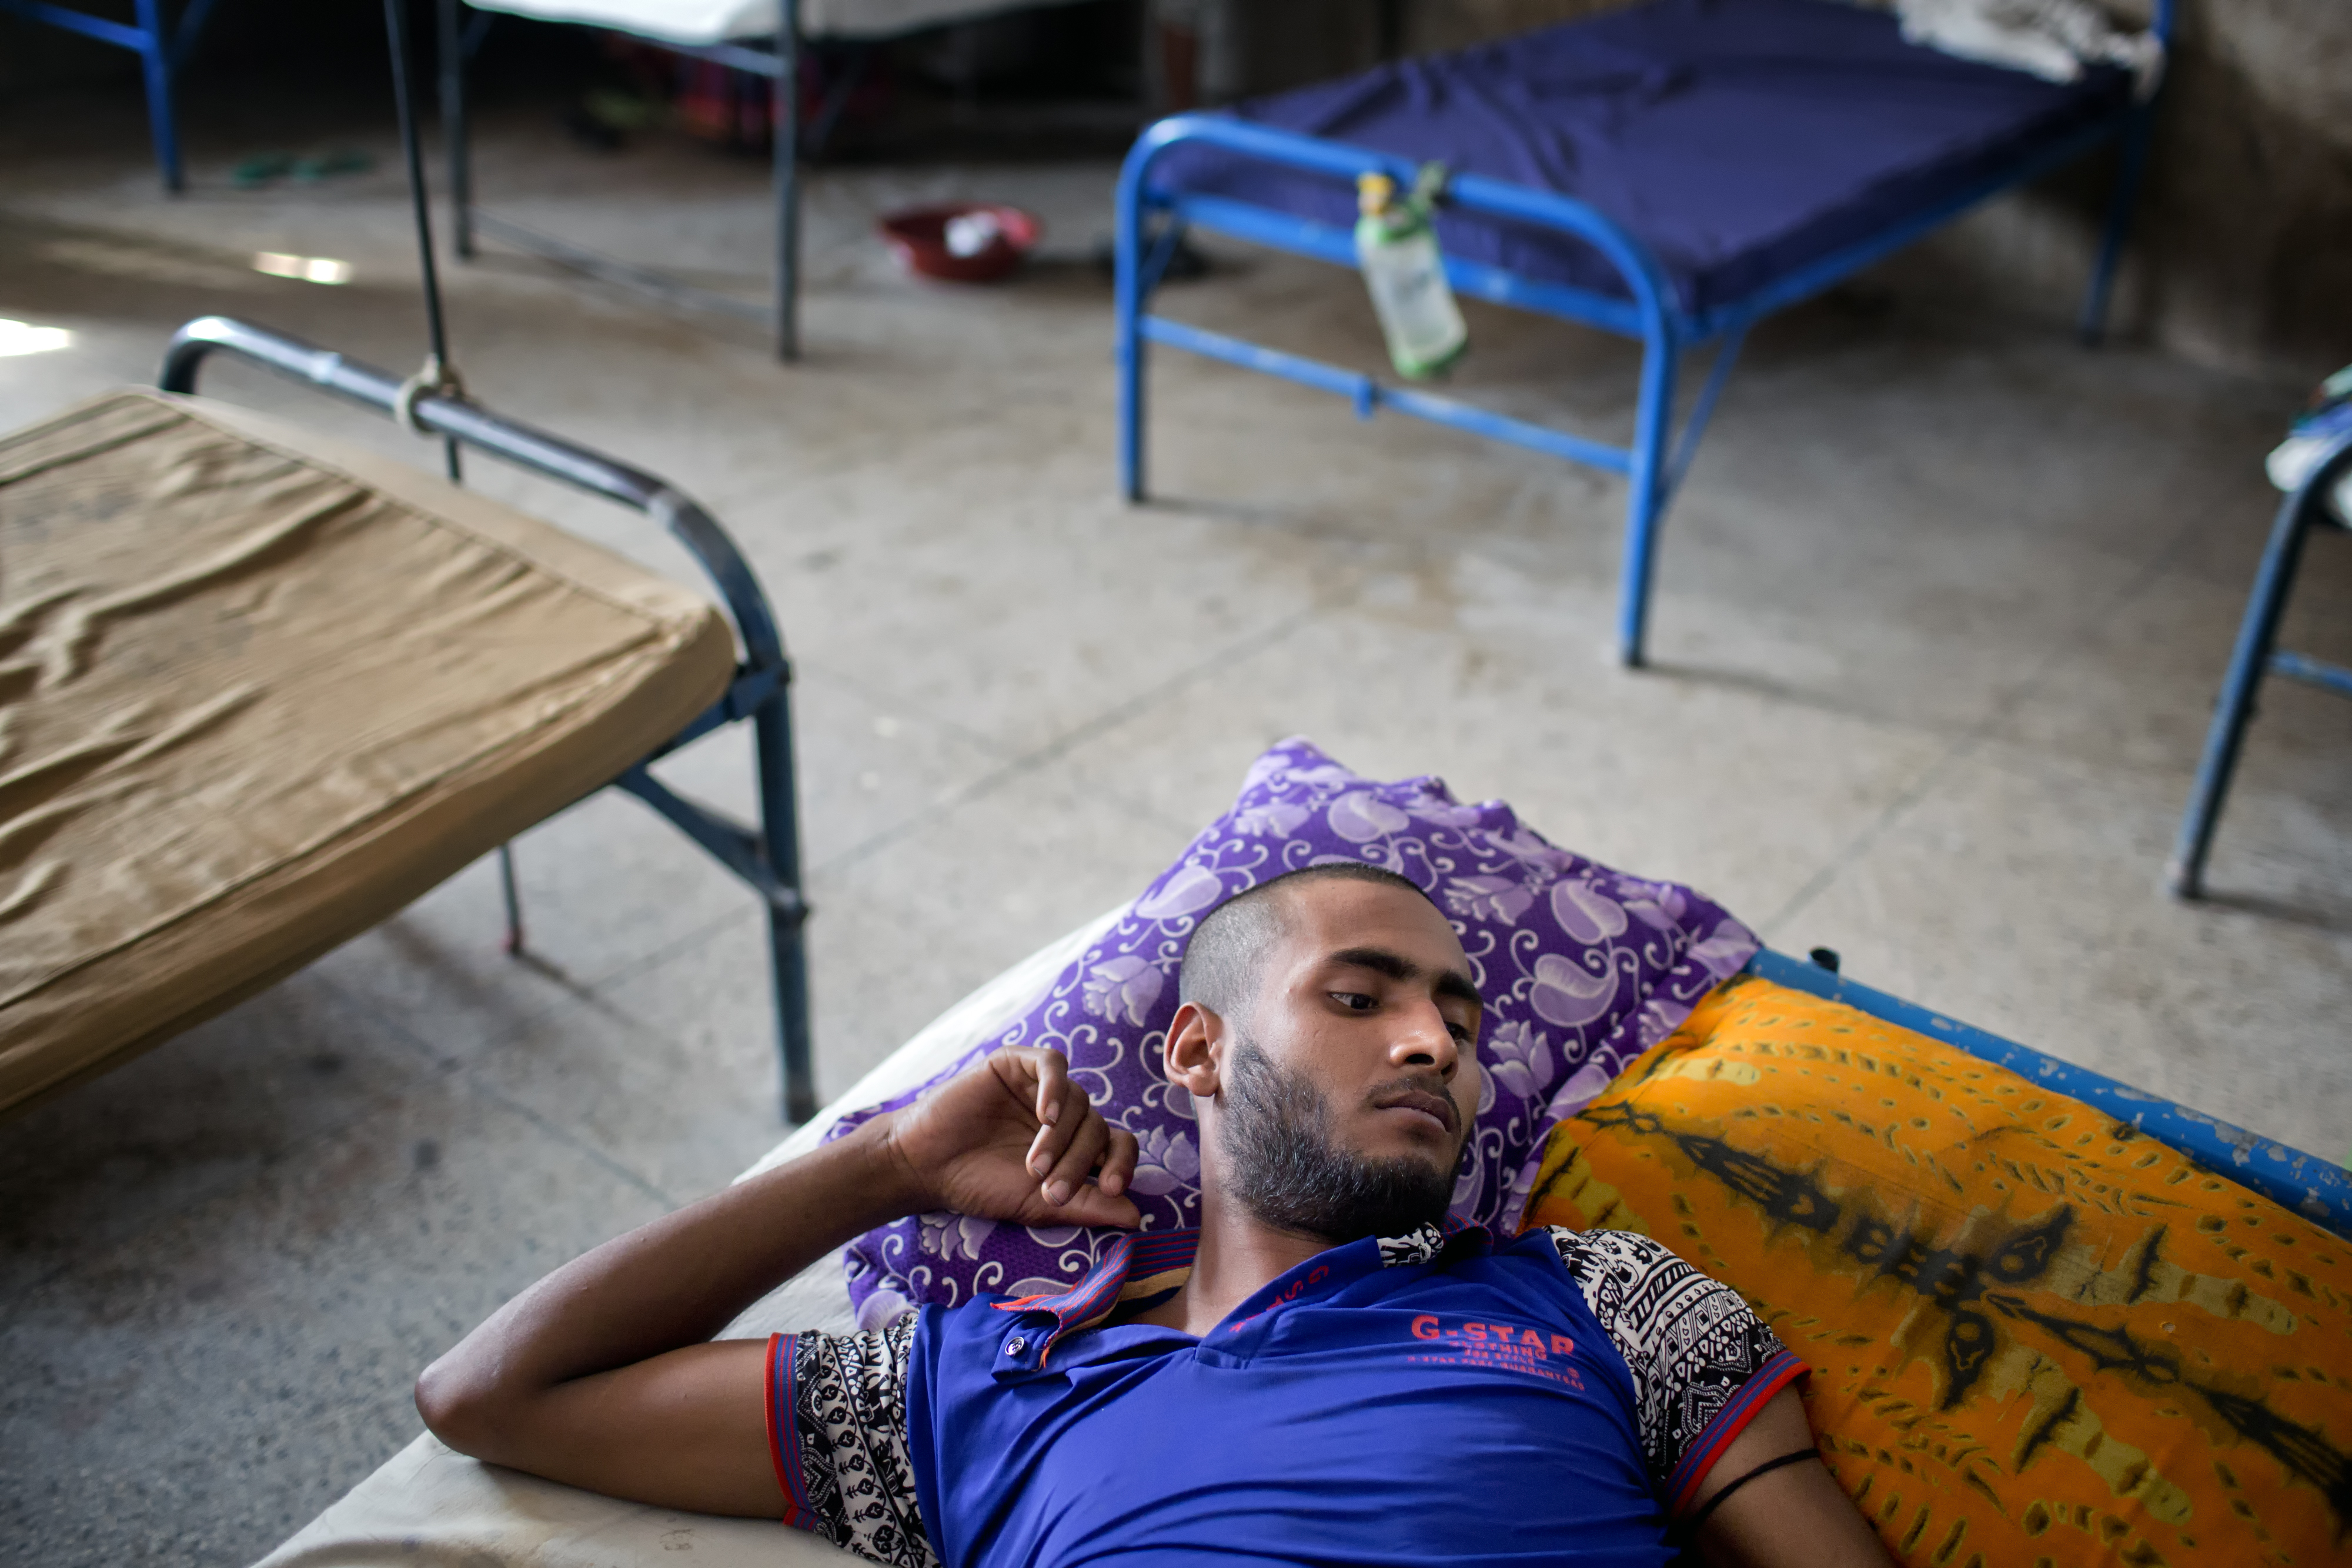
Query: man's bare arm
[[1796, 1516], [602, 1375]]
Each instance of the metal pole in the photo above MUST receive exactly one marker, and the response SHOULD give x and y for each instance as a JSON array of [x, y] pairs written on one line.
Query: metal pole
[[457, 130], [396, 22], [780, 831], [1129, 289], [1645, 498], [787, 176], [2133, 163], [513, 899]]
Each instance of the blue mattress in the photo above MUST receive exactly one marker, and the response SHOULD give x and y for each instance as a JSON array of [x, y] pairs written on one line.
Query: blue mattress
[[1741, 140]]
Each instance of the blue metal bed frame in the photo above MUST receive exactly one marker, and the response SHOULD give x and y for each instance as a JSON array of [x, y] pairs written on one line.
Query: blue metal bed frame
[[2257, 654], [1150, 220], [2314, 1187], [767, 857], [162, 48]]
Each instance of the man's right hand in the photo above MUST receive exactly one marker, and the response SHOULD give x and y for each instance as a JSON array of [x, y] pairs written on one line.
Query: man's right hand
[[1012, 1138]]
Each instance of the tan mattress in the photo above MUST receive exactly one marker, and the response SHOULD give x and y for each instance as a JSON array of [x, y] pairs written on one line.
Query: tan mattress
[[258, 690]]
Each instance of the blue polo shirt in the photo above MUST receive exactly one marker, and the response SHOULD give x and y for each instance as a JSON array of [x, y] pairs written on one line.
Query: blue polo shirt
[[1426, 1399]]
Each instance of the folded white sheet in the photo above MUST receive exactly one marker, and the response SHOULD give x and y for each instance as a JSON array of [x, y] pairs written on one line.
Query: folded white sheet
[[2054, 39], [431, 1507], [715, 21]]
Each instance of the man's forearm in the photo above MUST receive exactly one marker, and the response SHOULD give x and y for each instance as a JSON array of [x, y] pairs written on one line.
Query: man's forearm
[[604, 1374], [674, 1283]]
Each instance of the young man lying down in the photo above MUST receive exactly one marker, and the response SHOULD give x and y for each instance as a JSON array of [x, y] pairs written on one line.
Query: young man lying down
[[1320, 1374]]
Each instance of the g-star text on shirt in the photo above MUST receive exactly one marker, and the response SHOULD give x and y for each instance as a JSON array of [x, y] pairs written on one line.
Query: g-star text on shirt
[[1508, 1348]]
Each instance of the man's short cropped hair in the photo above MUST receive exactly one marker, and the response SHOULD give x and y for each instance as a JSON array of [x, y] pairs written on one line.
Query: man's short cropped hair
[[1226, 958]]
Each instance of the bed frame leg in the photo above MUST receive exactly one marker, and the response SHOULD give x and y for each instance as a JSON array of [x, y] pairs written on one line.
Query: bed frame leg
[[456, 130], [771, 729], [1128, 292], [2249, 661], [1646, 498], [512, 893], [2132, 155], [785, 114], [163, 118]]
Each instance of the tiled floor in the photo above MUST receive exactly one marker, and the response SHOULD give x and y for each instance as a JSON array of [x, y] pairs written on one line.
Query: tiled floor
[[1938, 623]]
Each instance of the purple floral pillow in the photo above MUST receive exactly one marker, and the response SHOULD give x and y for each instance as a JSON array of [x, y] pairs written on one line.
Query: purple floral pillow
[[1582, 969]]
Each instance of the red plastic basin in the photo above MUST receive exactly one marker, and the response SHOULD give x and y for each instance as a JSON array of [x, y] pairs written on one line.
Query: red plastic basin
[[919, 236]]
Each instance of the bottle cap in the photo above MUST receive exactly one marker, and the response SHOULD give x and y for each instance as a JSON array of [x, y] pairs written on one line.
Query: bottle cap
[[1373, 193]]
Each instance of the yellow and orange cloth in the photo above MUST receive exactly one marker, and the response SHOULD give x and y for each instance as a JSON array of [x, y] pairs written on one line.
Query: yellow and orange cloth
[[2036, 1335]]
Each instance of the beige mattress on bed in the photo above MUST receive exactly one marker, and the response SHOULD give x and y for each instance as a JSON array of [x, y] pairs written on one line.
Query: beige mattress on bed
[[258, 690]]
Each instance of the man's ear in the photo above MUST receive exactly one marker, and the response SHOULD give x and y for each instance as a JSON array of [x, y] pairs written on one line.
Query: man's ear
[[1195, 1050]]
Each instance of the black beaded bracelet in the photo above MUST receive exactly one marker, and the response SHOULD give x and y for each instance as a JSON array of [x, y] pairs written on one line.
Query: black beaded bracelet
[[1690, 1528]]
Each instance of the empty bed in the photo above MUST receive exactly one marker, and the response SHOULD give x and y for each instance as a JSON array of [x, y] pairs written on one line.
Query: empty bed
[[1672, 173], [258, 690]]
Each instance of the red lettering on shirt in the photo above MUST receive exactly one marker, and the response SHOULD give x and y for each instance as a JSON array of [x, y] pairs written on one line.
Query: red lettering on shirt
[[1504, 1348]]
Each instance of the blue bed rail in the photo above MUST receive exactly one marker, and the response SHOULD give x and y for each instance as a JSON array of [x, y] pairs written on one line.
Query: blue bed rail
[[2314, 1187], [1149, 220]]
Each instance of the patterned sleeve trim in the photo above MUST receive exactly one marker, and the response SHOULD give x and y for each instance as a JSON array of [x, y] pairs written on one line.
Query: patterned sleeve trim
[[784, 1441], [837, 1431], [1681, 1487], [1703, 1362]]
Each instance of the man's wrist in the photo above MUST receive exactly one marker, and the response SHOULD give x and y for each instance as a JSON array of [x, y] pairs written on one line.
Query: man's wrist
[[889, 1175]]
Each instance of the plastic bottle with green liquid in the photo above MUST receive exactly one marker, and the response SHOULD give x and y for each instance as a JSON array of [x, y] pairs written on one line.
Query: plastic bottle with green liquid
[[1397, 248]]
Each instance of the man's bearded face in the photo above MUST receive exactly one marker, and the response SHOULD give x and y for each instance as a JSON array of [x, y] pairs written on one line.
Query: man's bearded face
[[1288, 1171]]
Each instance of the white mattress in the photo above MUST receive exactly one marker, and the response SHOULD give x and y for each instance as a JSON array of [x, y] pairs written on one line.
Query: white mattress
[[430, 1507], [715, 21]]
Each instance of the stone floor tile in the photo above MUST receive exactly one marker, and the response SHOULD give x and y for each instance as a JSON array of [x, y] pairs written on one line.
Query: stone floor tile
[[191, 1393], [202, 1116]]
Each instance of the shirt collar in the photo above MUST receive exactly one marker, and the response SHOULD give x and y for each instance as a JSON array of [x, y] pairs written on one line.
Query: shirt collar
[[1153, 1263]]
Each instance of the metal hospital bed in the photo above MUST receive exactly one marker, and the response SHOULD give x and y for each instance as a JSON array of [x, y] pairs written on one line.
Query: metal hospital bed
[[1673, 173], [427, 1503], [762, 37], [260, 690]]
